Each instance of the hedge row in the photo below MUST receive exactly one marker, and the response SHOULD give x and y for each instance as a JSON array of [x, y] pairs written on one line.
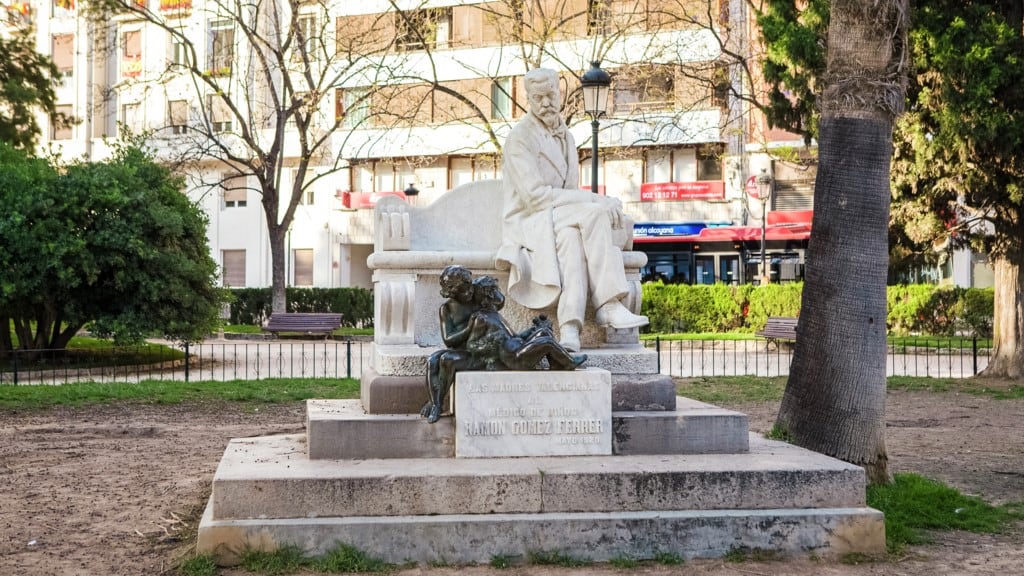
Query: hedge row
[[922, 308], [253, 305]]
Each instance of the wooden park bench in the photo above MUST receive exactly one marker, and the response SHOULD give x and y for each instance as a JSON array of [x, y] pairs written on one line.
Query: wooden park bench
[[303, 323], [778, 328]]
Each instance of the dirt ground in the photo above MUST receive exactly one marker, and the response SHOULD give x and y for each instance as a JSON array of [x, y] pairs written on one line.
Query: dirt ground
[[117, 490]]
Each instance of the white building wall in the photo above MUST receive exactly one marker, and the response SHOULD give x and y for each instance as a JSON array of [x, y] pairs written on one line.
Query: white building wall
[[340, 239]]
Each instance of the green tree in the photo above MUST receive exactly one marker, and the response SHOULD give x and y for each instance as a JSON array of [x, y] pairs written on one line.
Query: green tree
[[959, 159], [959, 165], [795, 34], [112, 244], [834, 400], [27, 81]]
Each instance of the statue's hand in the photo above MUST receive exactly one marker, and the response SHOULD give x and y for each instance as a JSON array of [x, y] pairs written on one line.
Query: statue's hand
[[614, 207]]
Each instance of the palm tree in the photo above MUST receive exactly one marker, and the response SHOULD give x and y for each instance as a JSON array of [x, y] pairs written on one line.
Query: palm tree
[[834, 401]]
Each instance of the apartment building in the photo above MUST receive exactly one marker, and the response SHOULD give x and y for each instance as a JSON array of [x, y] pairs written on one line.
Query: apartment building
[[413, 98]]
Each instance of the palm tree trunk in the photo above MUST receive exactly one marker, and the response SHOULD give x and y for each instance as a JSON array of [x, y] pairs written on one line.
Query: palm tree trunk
[[834, 401]]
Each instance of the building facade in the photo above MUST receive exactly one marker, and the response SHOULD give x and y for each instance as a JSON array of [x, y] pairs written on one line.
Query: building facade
[[418, 100]]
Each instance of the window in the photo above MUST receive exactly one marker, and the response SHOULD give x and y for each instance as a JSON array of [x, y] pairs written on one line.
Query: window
[[302, 267], [709, 162], [421, 29], [659, 166], [599, 17], [235, 192], [611, 17], [307, 197], [179, 51], [64, 56], [644, 88], [131, 53], [307, 38], [60, 130], [720, 86], [233, 268], [219, 113], [177, 116], [222, 48], [501, 99], [131, 120], [355, 106]]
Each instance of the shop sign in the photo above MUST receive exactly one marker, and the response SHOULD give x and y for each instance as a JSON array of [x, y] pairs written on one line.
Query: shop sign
[[654, 192], [659, 229]]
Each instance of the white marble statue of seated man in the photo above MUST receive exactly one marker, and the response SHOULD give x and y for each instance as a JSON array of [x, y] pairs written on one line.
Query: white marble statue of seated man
[[557, 239]]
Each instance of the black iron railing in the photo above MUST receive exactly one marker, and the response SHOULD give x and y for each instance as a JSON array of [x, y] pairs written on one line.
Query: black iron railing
[[348, 359]]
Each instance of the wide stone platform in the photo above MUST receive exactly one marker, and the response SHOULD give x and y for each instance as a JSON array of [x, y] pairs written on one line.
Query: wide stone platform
[[267, 493]]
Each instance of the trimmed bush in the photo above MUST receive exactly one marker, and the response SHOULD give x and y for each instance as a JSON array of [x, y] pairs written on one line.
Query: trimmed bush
[[920, 308], [253, 305], [978, 310]]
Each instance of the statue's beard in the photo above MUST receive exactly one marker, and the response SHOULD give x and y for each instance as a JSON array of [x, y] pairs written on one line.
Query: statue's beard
[[550, 118]]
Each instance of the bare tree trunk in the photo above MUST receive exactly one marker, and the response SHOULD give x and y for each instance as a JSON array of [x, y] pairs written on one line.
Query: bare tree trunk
[[277, 261], [834, 401], [1007, 358]]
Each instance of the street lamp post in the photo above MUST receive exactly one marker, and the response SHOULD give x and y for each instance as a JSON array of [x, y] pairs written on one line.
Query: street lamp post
[[595, 85], [764, 193]]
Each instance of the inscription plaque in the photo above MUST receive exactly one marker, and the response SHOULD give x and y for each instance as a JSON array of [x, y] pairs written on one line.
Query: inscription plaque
[[537, 413]]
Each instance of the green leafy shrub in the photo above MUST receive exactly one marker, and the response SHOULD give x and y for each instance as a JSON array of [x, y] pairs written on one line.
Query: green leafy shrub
[[906, 302], [978, 309], [772, 300], [253, 305]]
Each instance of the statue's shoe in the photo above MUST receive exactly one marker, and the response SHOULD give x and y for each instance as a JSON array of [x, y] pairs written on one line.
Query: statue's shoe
[[578, 360], [616, 315], [570, 337]]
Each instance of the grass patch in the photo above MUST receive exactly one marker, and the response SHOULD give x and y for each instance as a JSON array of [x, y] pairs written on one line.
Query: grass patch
[[914, 505], [725, 389], [93, 353], [556, 558], [342, 559], [198, 566], [779, 433], [945, 342], [270, 391], [623, 562], [345, 558], [997, 389], [500, 562], [284, 560]]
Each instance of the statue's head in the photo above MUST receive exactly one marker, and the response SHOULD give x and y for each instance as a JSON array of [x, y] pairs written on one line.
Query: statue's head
[[487, 294], [543, 95], [456, 282]]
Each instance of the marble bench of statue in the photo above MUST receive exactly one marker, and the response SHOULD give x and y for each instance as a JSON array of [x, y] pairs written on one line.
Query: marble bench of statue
[[412, 245]]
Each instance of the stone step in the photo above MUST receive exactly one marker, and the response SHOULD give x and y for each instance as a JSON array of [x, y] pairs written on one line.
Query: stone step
[[597, 537], [340, 429], [271, 477]]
